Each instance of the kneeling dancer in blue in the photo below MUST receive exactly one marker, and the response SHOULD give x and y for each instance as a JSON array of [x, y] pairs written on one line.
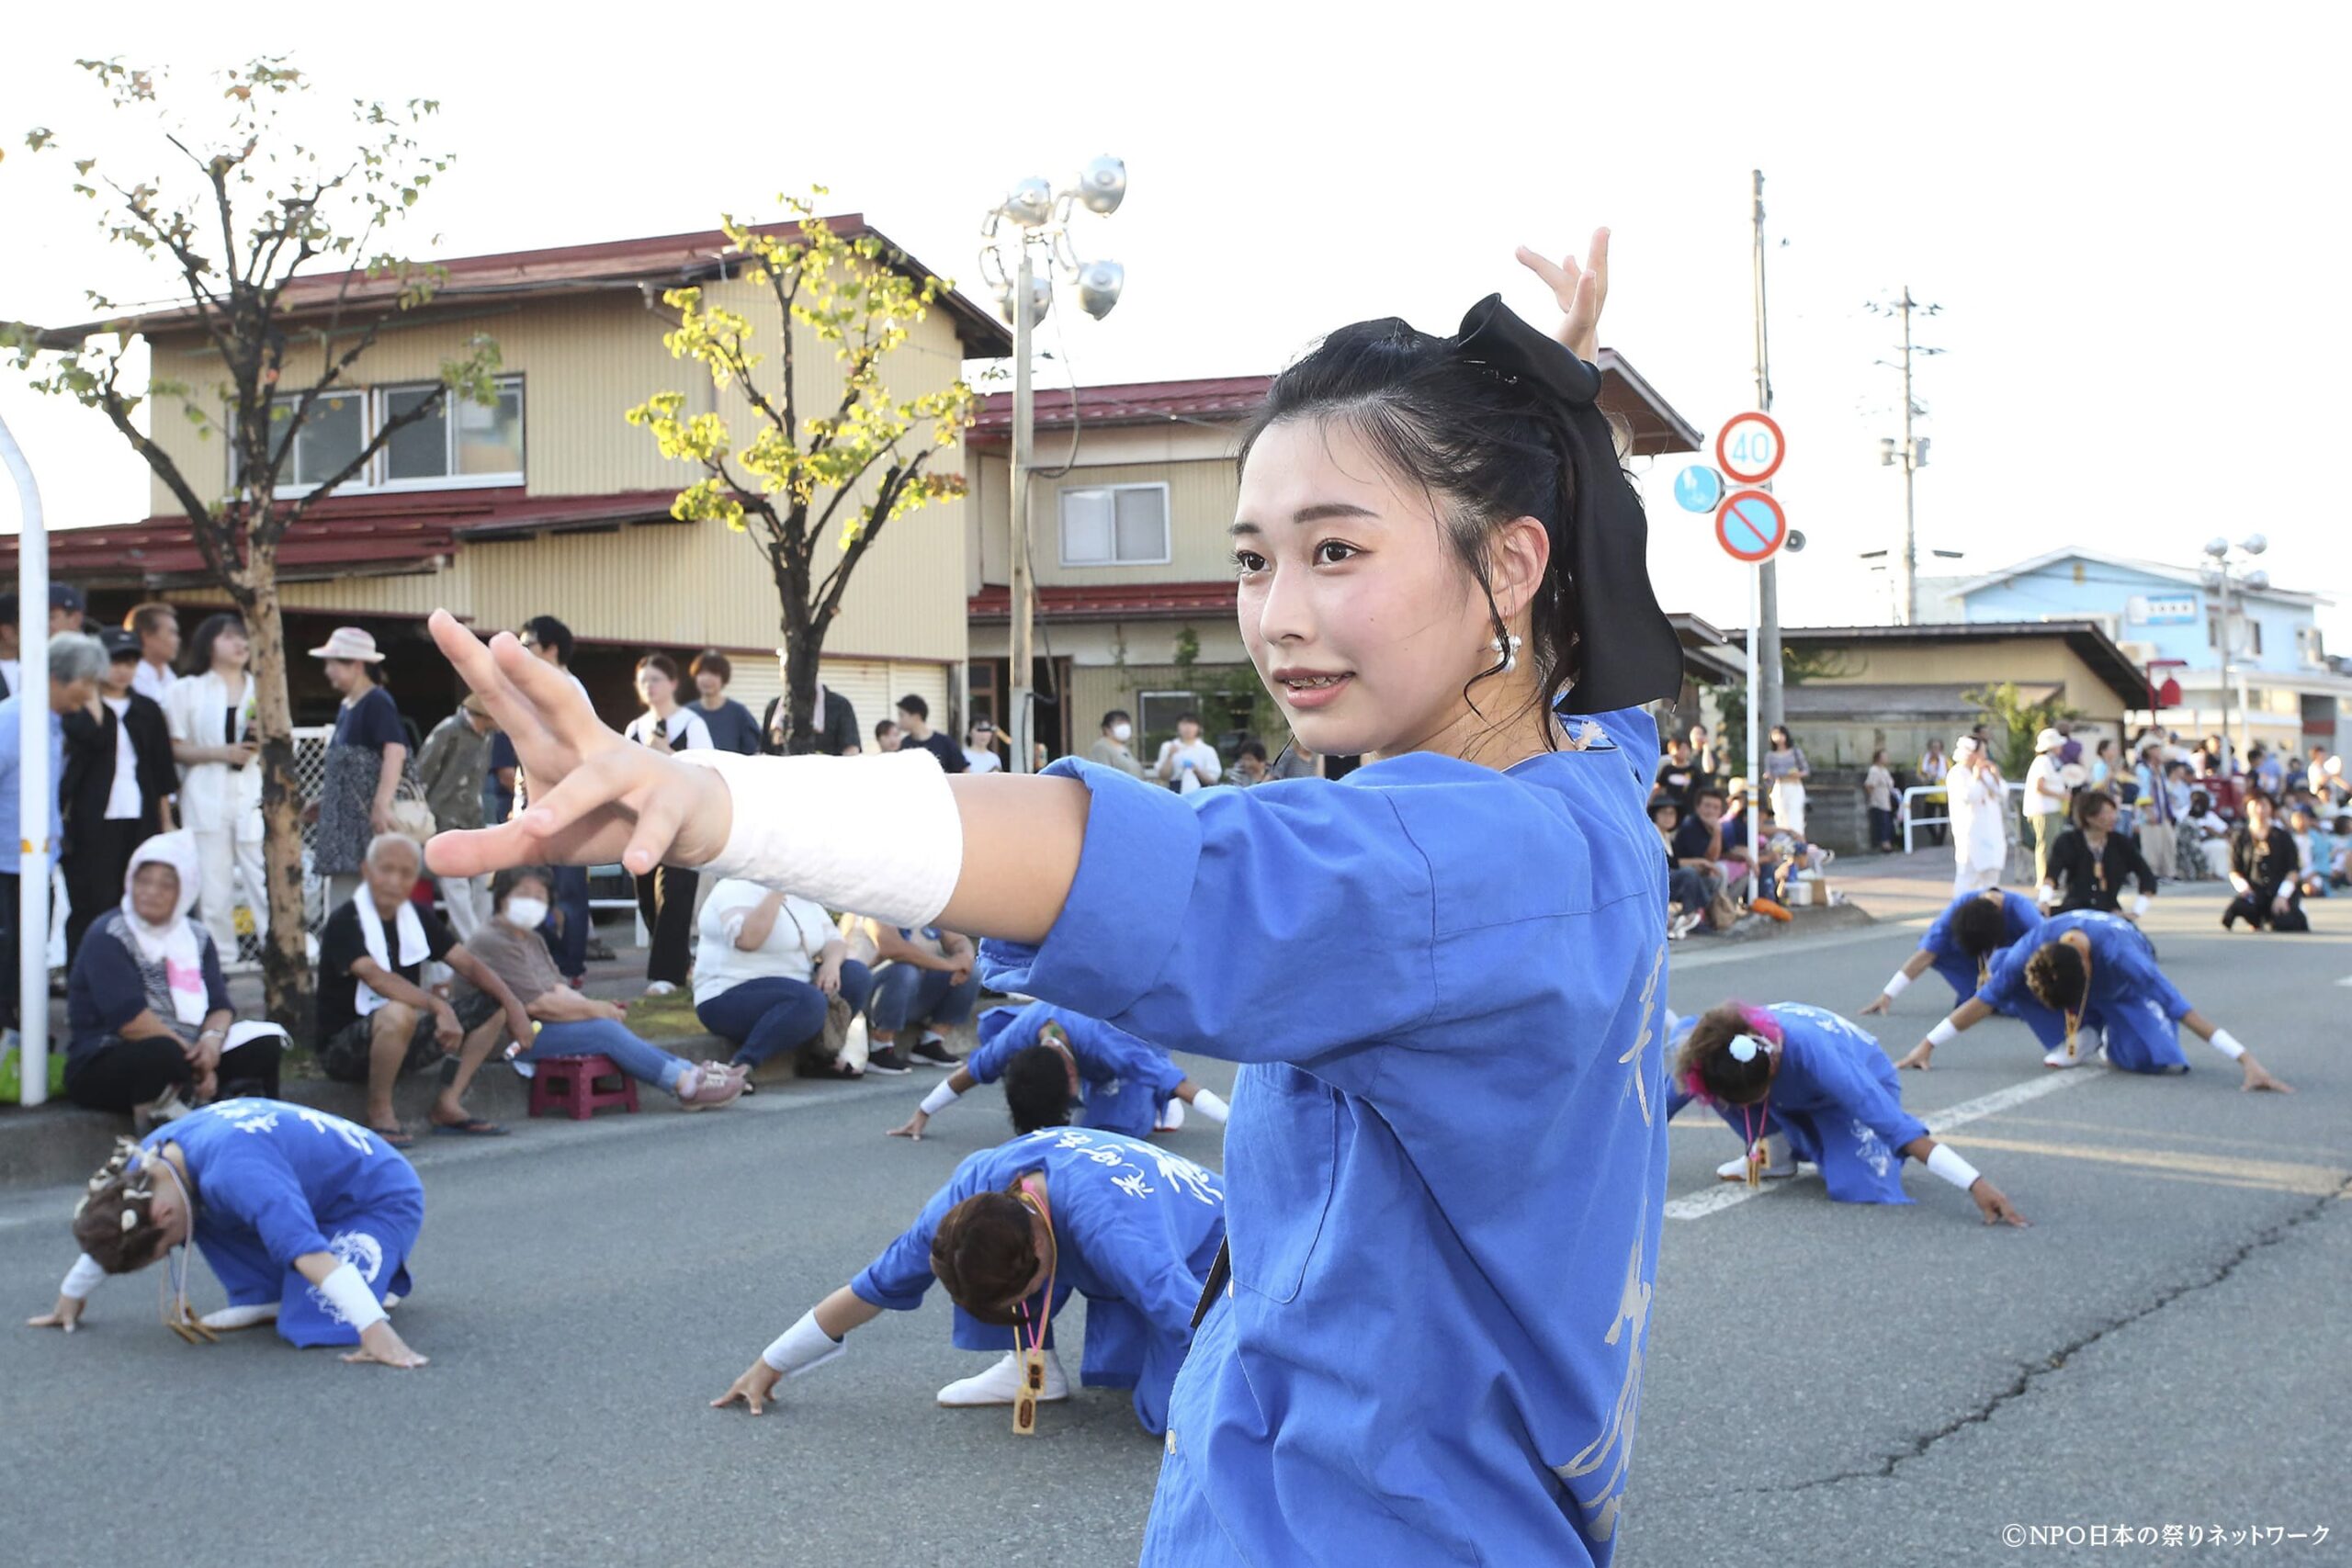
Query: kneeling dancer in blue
[[1961, 943], [2088, 971], [1132, 1228], [1126, 1085], [305, 1218], [1442, 973], [1796, 1082]]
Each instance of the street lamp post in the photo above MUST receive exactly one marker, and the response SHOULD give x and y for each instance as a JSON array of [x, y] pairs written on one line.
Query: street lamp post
[[1913, 454], [2217, 577], [1035, 213]]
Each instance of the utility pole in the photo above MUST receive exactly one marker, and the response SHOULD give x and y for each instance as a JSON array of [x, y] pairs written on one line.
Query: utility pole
[[1019, 721], [1912, 455], [1764, 690]]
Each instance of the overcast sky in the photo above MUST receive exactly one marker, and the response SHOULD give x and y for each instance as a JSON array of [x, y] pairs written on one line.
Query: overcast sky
[[2126, 218]]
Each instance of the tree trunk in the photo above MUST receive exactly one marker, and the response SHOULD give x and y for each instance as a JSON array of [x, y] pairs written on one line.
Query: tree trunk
[[286, 964], [804, 644]]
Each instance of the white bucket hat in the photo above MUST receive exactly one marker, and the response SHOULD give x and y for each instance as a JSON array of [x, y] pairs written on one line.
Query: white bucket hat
[[349, 642], [2048, 740]]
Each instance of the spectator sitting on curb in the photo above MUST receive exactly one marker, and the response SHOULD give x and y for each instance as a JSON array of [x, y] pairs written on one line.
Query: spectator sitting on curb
[[148, 1011], [376, 1020], [767, 967], [1248, 765], [922, 979], [1689, 885], [570, 1024]]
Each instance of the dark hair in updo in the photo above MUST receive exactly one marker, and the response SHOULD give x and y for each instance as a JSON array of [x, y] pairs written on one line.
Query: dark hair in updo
[[1484, 448], [1980, 927], [1036, 1089], [1705, 1067], [2056, 976]]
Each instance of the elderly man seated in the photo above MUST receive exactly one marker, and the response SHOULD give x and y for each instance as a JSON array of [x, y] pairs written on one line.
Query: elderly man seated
[[377, 1021], [151, 1030]]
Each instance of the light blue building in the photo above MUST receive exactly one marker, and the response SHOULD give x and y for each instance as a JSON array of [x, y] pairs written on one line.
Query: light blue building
[[2284, 691]]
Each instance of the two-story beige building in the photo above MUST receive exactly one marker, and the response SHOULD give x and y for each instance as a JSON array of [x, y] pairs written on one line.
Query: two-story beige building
[[549, 503], [1128, 526]]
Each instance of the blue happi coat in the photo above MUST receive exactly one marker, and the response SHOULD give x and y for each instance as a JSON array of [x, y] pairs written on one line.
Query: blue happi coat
[[1136, 1229], [1447, 1156], [2020, 918], [1124, 1082], [2129, 1002], [276, 1181], [1836, 1097]]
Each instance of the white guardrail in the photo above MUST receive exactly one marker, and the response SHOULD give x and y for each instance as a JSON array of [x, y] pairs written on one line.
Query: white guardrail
[[1911, 818]]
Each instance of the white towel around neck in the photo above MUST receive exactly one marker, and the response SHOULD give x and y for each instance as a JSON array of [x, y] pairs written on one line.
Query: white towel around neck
[[414, 949]]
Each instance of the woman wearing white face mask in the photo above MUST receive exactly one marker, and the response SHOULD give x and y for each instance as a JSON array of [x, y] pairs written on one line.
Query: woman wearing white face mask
[[571, 1024], [1112, 751]]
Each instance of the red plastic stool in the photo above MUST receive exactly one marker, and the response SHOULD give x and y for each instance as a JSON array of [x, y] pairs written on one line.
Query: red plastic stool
[[575, 1084]]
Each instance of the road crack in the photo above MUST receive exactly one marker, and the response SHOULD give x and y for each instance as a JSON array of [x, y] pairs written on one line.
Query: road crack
[[1920, 1446]]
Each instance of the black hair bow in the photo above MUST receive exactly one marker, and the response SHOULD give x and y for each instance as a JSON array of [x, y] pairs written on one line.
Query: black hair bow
[[1628, 653]]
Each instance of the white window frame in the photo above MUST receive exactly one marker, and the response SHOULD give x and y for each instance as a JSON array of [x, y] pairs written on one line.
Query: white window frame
[[380, 403], [1167, 525], [371, 481]]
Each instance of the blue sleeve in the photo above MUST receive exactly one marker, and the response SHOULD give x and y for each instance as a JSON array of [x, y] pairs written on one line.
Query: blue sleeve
[[2004, 988], [1937, 940], [1003, 1032], [897, 1279], [250, 1178], [1832, 1058], [1309, 921], [1635, 734], [2024, 916], [1115, 1054], [2126, 959]]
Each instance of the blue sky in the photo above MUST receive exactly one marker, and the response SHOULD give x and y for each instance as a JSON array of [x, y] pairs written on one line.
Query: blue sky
[[2126, 220]]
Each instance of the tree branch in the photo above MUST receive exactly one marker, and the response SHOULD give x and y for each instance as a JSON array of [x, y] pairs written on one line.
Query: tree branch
[[437, 398], [201, 522]]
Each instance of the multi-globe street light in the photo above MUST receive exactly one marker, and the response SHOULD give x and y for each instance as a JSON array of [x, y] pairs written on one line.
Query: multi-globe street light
[[2227, 561]]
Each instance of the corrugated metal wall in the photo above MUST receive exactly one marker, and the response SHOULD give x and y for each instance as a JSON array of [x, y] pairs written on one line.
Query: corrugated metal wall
[[1200, 500]]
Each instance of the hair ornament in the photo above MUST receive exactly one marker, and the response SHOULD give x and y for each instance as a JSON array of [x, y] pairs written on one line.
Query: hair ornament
[[130, 1219], [1746, 1048]]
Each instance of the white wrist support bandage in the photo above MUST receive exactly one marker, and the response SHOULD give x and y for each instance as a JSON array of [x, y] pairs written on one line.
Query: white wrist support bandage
[[1206, 1102], [1897, 986], [348, 1294], [880, 835], [1944, 1160], [2140, 905], [1942, 1033], [942, 1096], [82, 1278], [802, 1347], [2226, 1044]]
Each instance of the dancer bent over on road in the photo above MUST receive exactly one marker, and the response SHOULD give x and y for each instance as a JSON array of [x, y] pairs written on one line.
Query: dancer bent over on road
[[1796, 1082], [2088, 971], [1132, 1228], [1961, 944], [305, 1218], [1127, 1084], [1434, 542]]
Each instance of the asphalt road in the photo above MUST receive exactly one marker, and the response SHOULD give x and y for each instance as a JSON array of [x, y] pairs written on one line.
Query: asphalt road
[[1827, 1382]]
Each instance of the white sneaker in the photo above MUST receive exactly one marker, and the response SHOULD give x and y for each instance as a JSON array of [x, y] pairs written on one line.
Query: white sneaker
[[1171, 1118], [1736, 1171], [228, 1318], [1001, 1384], [660, 988]]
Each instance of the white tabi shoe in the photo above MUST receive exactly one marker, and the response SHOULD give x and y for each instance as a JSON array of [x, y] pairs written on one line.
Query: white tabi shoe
[[1001, 1384], [228, 1318], [1172, 1117], [1736, 1171]]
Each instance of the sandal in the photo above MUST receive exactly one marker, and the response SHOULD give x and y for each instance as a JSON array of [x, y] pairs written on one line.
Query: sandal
[[394, 1137], [471, 1127]]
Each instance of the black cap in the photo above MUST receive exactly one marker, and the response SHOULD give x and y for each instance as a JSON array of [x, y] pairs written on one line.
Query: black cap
[[65, 596], [120, 644]]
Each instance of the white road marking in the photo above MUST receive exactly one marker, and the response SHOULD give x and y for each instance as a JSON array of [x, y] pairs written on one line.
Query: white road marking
[[1724, 1194]]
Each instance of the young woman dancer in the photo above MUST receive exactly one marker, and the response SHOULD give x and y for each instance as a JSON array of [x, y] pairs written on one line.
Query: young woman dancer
[[1127, 1085], [2088, 971], [305, 1219], [1132, 1228], [1434, 542], [1961, 944], [1796, 1082]]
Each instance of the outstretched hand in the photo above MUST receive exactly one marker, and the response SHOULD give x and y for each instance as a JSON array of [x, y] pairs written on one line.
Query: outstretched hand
[[64, 1314], [1997, 1208], [1580, 290], [754, 1388], [1884, 1004], [594, 797], [1918, 1060]]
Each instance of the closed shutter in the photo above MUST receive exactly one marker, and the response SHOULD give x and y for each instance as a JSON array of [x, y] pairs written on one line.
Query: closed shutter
[[872, 685]]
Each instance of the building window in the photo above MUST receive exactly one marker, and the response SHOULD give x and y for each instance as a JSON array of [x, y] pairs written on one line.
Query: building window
[[2312, 647], [1116, 526], [458, 444]]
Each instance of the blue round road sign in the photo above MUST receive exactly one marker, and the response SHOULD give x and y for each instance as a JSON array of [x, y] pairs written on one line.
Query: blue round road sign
[[1698, 489], [1751, 526]]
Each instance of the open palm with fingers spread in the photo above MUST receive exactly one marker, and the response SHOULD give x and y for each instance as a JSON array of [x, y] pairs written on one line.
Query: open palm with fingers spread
[[1581, 291], [594, 797]]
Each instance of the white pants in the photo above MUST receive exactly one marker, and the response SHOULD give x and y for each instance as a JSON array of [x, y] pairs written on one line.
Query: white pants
[[223, 860], [1975, 879], [465, 900], [1787, 806]]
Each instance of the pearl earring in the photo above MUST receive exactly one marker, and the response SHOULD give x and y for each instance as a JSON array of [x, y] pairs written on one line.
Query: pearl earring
[[1510, 655]]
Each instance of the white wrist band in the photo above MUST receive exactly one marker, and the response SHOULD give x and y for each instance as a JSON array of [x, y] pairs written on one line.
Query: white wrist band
[[2226, 1044], [1206, 1102], [941, 1097], [2140, 905], [878, 835], [1897, 986], [348, 1295], [802, 1347], [1944, 1160], [1942, 1033], [82, 1278]]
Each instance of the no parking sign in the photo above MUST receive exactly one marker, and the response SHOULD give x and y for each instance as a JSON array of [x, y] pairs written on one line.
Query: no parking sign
[[1751, 526]]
